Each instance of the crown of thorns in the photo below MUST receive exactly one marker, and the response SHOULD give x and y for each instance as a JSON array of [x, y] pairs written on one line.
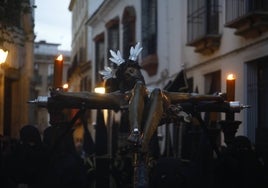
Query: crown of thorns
[[110, 72]]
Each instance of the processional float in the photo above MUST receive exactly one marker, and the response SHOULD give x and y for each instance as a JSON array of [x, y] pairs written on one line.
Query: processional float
[[146, 108]]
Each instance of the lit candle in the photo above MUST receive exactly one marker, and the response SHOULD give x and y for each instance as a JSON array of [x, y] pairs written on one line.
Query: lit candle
[[65, 87], [58, 68], [230, 87]]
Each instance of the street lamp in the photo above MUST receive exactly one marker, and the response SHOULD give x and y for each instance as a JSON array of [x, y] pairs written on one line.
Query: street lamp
[[3, 55]]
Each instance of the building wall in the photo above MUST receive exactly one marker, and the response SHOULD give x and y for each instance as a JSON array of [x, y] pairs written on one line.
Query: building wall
[[173, 51], [170, 42], [233, 53], [16, 74], [80, 56], [170, 39]]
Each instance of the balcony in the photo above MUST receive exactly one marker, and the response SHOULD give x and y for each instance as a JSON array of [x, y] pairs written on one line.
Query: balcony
[[207, 44], [203, 26], [248, 17]]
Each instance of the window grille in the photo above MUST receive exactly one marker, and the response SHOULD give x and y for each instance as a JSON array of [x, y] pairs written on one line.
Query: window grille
[[239, 8], [149, 27], [202, 18]]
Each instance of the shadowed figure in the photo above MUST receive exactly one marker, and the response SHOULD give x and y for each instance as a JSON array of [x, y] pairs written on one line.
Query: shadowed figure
[[27, 164], [239, 166], [70, 163]]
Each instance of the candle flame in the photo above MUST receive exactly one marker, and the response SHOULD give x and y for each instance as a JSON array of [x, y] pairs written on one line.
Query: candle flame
[[65, 86], [100, 90], [230, 77], [59, 58]]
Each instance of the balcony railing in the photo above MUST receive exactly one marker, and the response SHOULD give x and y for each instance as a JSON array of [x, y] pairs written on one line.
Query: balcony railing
[[203, 26], [249, 17]]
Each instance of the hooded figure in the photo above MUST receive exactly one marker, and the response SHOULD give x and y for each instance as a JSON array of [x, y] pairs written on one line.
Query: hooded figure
[[27, 163]]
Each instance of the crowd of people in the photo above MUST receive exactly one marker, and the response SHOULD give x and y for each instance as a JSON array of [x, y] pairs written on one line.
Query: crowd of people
[[60, 159], [36, 162]]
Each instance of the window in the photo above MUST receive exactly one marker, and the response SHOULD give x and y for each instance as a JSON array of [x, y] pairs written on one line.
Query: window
[[213, 82], [203, 19], [149, 27], [113, 36], [99, 60], [129, 29]]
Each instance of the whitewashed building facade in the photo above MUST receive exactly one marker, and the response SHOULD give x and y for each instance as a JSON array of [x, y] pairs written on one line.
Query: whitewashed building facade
[[208, 39]]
